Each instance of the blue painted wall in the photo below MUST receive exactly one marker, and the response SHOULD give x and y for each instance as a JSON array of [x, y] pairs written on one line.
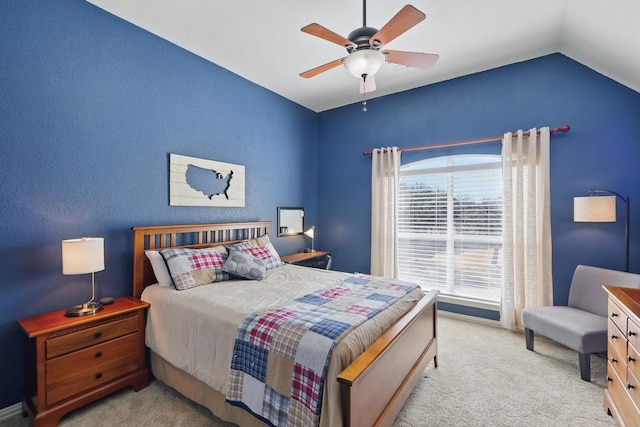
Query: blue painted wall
[[90, 107], [602, 150]]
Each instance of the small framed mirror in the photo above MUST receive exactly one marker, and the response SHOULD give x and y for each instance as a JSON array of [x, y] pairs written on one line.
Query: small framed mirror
[[290, 221]]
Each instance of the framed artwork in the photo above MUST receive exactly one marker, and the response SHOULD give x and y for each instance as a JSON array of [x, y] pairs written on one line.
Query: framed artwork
[[201, 182]]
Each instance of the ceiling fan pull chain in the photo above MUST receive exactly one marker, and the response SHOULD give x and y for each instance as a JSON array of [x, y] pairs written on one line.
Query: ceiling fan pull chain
[[364, 93]]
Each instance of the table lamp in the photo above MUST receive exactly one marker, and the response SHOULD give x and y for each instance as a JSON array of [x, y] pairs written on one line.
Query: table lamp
[[83, 256], [311, 232]]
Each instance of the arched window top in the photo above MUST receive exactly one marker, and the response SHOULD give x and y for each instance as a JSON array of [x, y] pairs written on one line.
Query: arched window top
[[455, 162]]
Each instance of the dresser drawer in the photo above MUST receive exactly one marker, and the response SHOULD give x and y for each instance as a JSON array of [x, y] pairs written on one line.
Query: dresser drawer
[[76, 339], [623, 404], [617, 316], [616, 360], [633, 360], [617, 338], [76, 372], [633, 333], [633, 388]]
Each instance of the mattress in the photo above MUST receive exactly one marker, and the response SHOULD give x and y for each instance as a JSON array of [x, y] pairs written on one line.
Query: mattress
[[194, 330]]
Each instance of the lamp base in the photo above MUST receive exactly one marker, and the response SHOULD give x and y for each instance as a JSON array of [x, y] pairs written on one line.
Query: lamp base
[[91, 307]]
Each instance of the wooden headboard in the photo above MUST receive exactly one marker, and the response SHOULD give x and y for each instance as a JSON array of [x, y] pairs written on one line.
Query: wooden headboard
[[157, 237]]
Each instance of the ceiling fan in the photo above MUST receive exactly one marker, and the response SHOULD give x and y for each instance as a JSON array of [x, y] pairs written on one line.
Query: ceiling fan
[[364, 46]]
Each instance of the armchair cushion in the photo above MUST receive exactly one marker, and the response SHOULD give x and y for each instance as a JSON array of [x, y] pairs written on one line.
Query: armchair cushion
[[577, 329]]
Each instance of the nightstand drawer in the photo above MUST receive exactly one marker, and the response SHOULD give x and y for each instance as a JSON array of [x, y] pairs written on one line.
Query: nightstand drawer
[[74, 373], [77, 339]]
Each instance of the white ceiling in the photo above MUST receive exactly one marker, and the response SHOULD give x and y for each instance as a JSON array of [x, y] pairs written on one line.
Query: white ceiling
[[261, 40]]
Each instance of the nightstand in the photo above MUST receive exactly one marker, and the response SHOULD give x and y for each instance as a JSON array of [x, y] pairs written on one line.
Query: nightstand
[[72, 361], [317, 259]]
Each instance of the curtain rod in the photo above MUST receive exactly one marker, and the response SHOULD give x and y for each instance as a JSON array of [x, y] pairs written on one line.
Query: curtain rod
[[564, 128]]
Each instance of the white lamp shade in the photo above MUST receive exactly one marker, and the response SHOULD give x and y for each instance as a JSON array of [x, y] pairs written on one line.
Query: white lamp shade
[[365, 61], [594, 209], [82, 256], [311, 232]]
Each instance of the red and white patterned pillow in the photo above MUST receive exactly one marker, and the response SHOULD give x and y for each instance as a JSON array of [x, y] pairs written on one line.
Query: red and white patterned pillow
[[195, 267], [260, 248]]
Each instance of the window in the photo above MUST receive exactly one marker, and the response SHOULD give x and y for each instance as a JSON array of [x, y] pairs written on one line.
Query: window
[[450, 225]]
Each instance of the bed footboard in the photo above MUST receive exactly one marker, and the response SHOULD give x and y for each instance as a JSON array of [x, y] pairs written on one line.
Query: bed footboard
[[378, 382]]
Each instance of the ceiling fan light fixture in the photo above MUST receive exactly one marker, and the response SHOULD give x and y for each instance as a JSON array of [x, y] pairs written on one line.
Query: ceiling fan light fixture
[[366, 61]]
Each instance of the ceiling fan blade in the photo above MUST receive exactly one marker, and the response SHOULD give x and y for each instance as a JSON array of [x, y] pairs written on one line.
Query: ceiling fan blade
[[411, 59], [408, 17], [321, 69], [324, 33], [368, 85]]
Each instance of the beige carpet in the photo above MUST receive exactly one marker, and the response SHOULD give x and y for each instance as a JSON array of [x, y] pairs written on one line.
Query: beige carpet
[[485, 377]]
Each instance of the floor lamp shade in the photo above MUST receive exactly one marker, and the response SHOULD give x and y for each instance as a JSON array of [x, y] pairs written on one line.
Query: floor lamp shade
[[594, 209]]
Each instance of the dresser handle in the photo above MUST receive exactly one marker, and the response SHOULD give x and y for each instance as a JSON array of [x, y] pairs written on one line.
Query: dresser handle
[[99, 375], [97, 335], [630, 359], [631, 333], [630, 386], [613, 314], [98, 354], [614, 337]]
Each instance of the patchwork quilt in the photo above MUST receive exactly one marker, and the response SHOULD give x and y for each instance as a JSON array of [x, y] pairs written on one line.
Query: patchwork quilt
[[281, 354]]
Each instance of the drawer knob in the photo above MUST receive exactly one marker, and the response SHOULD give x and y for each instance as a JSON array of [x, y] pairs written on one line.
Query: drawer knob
[[99, 375], [613, 360], [614, 336], [613, 314], [97, 335], [609, 379], [631, 333], [630, 386], [630, 359], [98, 354]]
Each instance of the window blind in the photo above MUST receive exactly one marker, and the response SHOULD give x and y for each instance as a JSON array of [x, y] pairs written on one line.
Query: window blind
[[450, 226]]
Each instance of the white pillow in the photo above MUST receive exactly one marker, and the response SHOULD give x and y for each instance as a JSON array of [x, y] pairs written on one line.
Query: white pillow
[[159, 268]]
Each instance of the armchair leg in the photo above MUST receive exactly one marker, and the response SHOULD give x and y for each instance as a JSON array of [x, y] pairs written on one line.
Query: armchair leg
[[585, 366], [528, 337]]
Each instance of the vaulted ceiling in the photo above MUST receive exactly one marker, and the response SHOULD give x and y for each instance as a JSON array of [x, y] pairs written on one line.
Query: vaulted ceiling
[[261, 40]]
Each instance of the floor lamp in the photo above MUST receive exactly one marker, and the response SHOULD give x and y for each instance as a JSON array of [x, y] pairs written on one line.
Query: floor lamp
[[596, 208]]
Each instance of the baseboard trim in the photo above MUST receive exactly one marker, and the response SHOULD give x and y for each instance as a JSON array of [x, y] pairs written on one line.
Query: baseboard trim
[[468, 318], [10, 411]]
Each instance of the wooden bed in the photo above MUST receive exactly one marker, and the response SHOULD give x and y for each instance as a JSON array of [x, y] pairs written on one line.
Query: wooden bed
[[375, 386]]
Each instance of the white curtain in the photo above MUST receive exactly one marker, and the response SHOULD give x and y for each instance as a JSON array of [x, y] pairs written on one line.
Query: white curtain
[[385, 178], [527, 225]]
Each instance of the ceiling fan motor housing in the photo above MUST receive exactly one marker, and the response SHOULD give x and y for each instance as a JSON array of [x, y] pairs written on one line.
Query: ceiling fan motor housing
[[360, 37]]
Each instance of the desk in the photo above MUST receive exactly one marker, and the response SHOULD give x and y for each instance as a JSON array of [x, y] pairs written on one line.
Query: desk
[[317, 259]]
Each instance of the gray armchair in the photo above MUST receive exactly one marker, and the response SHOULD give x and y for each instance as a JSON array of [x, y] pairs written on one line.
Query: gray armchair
[[582, 324]]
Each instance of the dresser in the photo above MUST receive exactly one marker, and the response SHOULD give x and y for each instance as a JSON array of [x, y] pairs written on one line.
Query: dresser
[[622, 395], [72, 361]]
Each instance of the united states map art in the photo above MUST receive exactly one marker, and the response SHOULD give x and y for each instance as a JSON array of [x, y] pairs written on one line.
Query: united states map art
[[200, 182]]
